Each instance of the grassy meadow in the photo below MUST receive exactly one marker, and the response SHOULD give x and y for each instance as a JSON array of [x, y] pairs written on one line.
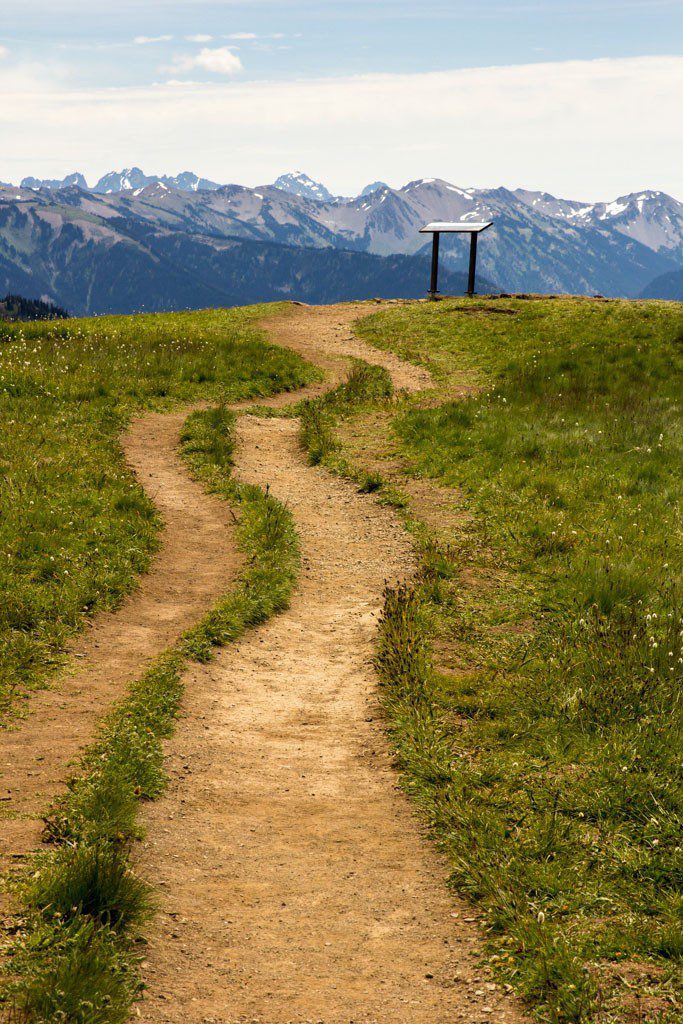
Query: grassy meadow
[[75, 528], [533, 675]]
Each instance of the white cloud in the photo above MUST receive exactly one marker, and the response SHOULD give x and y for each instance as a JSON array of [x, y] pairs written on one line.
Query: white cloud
[[250, 36], [199, 38], [4, 52], [219, 61], [586, 129], [179, 83], [146, 40]]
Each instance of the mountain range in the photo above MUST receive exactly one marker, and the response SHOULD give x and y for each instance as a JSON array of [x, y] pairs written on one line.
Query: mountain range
[[296, 182], [120, 181], [185, 224]]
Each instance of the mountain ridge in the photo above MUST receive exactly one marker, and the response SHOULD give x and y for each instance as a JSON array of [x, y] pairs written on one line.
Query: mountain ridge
[[668, 287], [538, 243]]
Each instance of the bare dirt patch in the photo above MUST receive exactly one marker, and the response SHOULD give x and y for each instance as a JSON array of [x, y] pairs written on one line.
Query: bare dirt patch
[[368, 443], [194, 567], [324, 336]]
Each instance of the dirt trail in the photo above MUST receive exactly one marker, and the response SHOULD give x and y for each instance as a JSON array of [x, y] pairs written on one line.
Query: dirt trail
[[323, 335], [296, 884], [195, 565]]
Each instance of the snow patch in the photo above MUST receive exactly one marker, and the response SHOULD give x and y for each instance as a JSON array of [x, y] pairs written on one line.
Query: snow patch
[[613, 209], [583, 212], [459, 191]]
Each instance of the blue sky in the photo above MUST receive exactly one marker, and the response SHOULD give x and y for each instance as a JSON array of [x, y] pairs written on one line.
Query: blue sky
[[75, 60], [337, 38]]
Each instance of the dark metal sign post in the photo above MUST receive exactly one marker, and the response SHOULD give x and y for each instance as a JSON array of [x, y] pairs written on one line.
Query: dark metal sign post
[[435, 264], [436, 229]]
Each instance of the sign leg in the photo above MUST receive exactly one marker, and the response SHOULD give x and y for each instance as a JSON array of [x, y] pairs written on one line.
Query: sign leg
[[433, 288], [473, 264]]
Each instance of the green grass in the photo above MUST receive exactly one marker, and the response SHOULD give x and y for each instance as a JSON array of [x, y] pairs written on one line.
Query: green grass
[[533, 675], [75, 528], [91, 881], [364, 384], [76, 957]]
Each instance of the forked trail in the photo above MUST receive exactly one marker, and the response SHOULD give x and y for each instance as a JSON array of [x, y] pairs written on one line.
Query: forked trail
[[296, 886], [195, 565]]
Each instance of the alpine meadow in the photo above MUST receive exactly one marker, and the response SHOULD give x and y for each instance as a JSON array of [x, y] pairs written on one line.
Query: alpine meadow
[[341, 560]]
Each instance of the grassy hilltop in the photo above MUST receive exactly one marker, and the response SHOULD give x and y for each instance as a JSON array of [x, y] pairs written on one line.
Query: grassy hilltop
[[531, 672]]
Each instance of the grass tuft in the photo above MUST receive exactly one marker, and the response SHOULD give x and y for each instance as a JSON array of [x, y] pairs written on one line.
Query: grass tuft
[[365, 384], [91, 881], [77, 974]]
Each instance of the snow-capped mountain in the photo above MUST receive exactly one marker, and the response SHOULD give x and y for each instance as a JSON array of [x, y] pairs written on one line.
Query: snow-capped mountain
[[134, 178], [375, 186], [119, 181], [76, 179], [159, 249], [299, 184], [653, 218]]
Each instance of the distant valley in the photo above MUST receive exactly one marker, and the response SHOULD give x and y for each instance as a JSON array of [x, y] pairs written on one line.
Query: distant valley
[[135, 242]]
